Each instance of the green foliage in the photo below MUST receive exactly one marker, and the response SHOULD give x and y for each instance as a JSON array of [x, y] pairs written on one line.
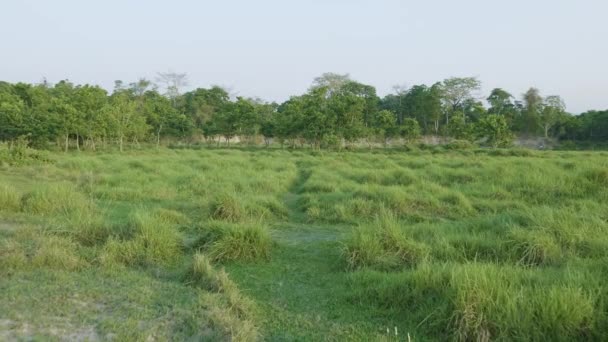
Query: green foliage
[[495, 130], [409, 129], [79, 117], [458, 129]]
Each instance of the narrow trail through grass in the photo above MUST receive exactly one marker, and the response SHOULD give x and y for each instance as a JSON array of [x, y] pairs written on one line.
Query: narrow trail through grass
[[303, 288]]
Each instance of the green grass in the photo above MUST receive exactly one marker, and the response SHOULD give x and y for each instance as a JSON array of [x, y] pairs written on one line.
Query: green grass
[[238, 244]]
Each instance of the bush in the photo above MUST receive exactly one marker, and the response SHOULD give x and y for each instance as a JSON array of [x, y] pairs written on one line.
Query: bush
[[495, 130], [459, 145]]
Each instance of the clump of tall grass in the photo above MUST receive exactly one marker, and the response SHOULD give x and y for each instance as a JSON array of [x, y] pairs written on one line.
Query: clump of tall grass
[[55, 199], [12, 256], [56, 252], [598, 176], [9, 198], [171, 216], [227, 207], [488, 301], [223, 241], [503, 303], [231, 310], [534, 247], [155, 242], [383, 245], [30, 247]]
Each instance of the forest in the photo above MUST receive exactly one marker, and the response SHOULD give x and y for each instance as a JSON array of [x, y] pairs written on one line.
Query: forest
[[336, 111]]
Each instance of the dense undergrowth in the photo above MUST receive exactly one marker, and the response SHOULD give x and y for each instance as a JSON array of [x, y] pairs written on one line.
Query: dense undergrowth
[[232, 244]]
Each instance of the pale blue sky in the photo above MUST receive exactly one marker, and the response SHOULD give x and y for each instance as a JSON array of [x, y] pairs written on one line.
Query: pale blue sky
[[273, 49]]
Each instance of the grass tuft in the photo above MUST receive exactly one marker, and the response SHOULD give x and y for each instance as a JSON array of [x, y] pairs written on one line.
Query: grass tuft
[[57, 253], [247, 242], [383, 245], [227, 207], [9, 198]]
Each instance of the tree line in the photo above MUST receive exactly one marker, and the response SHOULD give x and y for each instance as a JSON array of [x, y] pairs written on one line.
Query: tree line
[[335, 110]]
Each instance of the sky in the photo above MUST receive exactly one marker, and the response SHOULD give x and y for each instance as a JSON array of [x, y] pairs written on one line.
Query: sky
[[273, 49]]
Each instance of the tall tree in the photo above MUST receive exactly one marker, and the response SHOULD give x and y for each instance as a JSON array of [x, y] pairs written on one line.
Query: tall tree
[[174, 82], [533, 107], [456, 90], [553, 110], [331, 81]]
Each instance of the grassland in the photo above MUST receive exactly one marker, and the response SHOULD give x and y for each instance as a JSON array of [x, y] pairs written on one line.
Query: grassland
[[235, 244]]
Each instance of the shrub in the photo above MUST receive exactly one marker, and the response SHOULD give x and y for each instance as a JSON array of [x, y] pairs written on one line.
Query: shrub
[[459, 145]]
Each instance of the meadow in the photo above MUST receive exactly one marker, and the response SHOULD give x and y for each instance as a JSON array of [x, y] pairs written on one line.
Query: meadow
[[271, 244]]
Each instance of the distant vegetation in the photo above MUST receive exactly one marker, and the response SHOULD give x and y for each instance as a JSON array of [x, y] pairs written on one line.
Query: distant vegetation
[[471, 244], [335, 111]]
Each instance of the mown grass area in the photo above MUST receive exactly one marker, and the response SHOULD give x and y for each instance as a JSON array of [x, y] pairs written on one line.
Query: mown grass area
[[234, 244]]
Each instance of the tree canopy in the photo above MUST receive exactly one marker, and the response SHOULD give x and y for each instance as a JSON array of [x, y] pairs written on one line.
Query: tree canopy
[[335, 110]]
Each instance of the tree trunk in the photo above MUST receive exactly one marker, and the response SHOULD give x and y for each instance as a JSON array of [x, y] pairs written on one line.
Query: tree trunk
[[120, 143], [158, 136], [67, 142], [78, 142]]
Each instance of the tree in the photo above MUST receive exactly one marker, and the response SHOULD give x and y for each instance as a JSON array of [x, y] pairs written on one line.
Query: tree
[[201, 105], [409, 129], [173, 82], [347, 110], [456, 90], [500, 101], [162, 117], [385, 125], [12, 116], [88, 101], [533, 107], [458, 128], [495, 130], [331, 81], [124, 120], [553, 110], [368, 94]]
